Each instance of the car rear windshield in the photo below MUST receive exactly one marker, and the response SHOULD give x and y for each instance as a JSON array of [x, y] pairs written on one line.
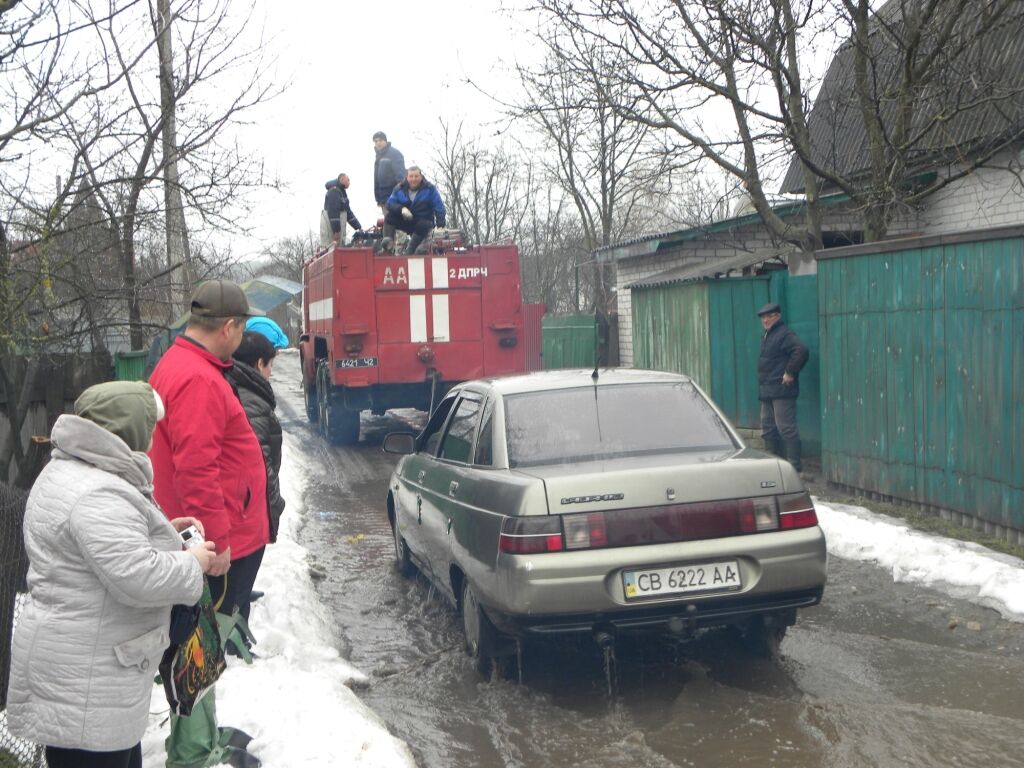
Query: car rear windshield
[[610, 421]]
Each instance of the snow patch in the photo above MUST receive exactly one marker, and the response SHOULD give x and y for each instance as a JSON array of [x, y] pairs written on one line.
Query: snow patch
[[294, 700], [961, 569]]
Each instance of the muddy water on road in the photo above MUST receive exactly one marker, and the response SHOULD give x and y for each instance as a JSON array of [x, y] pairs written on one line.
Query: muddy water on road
[[875, 676]]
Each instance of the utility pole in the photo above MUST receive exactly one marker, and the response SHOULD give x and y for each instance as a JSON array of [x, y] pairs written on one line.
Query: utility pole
[[178, 250]]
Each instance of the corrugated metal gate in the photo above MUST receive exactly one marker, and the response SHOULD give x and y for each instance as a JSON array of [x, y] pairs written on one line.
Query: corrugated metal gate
[[580, 341], [923, 371], [671, 330]]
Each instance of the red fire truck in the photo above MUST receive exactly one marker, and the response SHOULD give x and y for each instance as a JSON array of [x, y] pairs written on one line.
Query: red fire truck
[[382, 331]]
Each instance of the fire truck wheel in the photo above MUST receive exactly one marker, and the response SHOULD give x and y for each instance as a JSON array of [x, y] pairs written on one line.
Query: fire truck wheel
[[338, 424], [312, 407]]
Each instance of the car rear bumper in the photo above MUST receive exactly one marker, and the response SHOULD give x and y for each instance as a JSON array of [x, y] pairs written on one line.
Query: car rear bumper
[[576, 591], [677, 617]]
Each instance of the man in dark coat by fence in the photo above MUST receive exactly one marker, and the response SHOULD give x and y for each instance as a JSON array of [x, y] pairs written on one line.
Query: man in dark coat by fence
[[778, 371]]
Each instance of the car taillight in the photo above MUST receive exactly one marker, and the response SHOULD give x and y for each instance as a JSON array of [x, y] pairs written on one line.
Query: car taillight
[[796, 510], [757, 515], [530, 535], [585, 531]]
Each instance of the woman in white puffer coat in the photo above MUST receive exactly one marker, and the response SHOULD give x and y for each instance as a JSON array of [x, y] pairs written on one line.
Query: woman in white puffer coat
[[105, 567]]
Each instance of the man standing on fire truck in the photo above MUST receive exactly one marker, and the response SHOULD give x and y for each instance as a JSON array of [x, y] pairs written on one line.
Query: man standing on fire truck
[[415, 207], [388, 170], [336, 211]]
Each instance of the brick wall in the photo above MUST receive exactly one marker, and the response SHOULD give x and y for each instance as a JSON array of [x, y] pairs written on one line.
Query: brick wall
[[987, 197]]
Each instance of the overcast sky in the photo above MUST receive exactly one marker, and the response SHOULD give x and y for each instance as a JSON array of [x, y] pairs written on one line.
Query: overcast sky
[[357, 67]]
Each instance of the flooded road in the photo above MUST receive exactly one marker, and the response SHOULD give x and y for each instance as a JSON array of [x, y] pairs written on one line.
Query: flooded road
[[880, 674]]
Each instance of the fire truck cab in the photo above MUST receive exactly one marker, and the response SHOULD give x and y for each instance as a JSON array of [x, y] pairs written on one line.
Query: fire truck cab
[[382, 331]]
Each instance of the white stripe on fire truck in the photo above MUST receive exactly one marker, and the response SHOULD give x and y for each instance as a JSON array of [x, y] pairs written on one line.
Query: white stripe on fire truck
[[321, 310], [440, 316], [418, 318], [417, 278], [439, 273]]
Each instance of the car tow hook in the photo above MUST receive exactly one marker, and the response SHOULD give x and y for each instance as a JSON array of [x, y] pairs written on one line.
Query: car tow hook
[[604, 639], [678, 624]]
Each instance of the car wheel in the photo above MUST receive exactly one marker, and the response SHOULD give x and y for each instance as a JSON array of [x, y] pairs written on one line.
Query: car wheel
[[763, 637], [481, 636], [404, 561]]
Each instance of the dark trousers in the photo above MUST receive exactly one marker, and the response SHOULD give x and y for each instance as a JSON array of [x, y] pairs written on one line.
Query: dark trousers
[[778, 419], [417, 229], [236, 584], [57, 757]]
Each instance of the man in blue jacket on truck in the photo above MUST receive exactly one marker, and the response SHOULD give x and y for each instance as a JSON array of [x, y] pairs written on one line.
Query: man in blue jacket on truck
[[415, 207]]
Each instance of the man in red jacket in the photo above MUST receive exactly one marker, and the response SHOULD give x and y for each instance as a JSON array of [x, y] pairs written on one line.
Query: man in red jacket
[[207, 460]]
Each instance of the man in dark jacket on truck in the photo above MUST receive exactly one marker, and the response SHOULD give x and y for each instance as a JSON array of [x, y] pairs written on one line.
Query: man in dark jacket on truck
[[778, 370], [388, 168], [336, 206], [415, 207]]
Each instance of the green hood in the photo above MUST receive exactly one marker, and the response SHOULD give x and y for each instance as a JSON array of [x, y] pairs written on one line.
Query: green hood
[[126, 408]]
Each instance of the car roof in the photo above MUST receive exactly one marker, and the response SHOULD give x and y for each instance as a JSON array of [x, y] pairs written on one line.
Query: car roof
[[540, 381]]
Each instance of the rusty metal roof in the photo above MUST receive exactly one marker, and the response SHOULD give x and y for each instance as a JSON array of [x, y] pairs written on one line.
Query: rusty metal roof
[[974, 104]]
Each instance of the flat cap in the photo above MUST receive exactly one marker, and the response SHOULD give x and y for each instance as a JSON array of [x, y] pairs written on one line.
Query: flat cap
[[222, 298], [380, 135], [769, 309]]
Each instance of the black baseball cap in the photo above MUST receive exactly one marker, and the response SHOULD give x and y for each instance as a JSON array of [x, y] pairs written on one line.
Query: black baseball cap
[[769, 309], [222, 298], [380, 135]]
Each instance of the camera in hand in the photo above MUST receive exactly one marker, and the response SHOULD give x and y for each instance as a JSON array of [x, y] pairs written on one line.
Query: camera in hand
[[191, 537]]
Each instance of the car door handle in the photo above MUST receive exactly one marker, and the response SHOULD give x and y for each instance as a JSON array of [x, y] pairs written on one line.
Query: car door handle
[[453, 486], [419, 477], [419, 509]]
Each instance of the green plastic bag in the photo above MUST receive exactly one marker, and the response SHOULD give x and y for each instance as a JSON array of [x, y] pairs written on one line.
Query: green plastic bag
[[190, 667]]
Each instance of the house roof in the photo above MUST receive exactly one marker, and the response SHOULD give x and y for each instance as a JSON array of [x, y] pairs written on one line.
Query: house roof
[[265, 293], [662, 241], [973, 104], [281, 282], [712, 269]]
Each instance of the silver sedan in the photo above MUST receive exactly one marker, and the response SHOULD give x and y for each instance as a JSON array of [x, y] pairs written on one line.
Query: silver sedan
[[601, 502]]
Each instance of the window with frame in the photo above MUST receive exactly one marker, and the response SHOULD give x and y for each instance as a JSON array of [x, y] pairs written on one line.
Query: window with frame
[[431, 435], [485, 440], [457, 444]]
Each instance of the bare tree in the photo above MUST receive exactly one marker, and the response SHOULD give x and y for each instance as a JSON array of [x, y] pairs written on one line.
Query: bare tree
[[285, 257], [121, 148], [81, 107], [729, 79], [483, 186]]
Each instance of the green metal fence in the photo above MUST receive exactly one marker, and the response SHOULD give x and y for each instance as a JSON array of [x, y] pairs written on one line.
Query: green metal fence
[[922, 370], [570, 341], [130, 366], [709, 330], [671, 331]]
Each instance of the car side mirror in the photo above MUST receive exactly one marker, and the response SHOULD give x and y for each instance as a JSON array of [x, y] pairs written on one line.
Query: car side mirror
[[400, 442]]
